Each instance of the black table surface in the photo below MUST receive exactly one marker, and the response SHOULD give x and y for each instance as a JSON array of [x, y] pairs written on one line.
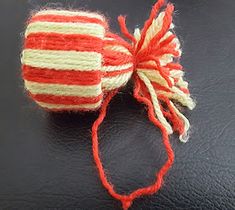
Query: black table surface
[[46, 160]]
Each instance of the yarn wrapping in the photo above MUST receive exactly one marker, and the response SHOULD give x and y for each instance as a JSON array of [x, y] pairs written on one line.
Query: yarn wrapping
[[71, 61]]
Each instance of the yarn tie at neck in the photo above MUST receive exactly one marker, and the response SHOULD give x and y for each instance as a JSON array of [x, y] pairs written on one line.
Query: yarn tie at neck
[[72, 62]]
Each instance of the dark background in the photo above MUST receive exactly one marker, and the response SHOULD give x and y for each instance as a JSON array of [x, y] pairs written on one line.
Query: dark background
[[46, 160]]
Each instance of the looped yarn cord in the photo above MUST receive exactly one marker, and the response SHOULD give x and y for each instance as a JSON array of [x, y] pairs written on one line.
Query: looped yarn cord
[[72, 62]]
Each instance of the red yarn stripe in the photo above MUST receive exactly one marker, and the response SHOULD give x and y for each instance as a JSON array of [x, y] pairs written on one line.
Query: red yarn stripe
[[176, 80], [160, 87], [185, 90], [167, 41], [66, 19], [174, 66], [146, 66], [55, 41], [65, 100], [114, 58], [50, 76]]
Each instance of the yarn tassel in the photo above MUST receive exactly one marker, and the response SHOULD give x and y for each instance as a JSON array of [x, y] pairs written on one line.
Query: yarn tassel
[[157, 51]]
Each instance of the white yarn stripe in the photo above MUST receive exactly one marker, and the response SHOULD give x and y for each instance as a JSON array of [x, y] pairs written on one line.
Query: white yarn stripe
[[116, 68], [110, 83], [155, 102], [117, 48], [189, 102], [154, 76], [153, 29], [92, 29], [62, 60], [63, 90], [69, 107], [137, 34], [109, 39], [70, 13], [183, 137], [167, 34], [182, 83], [165, 59], [184, 99], [176, 73]]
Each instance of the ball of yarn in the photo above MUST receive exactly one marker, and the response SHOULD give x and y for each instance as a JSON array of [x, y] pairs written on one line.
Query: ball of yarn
[[70, 60]]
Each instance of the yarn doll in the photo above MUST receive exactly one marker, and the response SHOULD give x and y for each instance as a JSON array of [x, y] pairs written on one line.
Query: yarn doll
[[72, 61]]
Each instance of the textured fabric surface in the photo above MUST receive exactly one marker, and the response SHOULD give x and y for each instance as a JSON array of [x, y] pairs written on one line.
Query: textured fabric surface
[[45, 159]]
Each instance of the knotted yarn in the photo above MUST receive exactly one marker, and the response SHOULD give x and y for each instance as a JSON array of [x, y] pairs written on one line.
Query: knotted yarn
[[71, 61]]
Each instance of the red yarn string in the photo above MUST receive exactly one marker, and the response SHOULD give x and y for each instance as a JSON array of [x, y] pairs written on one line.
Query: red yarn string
[[124, 30], [95, 144], [175, 66], [147, 24], [167, 41], [128, 199]]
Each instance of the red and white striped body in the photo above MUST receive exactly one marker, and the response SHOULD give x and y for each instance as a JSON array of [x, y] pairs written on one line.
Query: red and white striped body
[[70, 60]]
